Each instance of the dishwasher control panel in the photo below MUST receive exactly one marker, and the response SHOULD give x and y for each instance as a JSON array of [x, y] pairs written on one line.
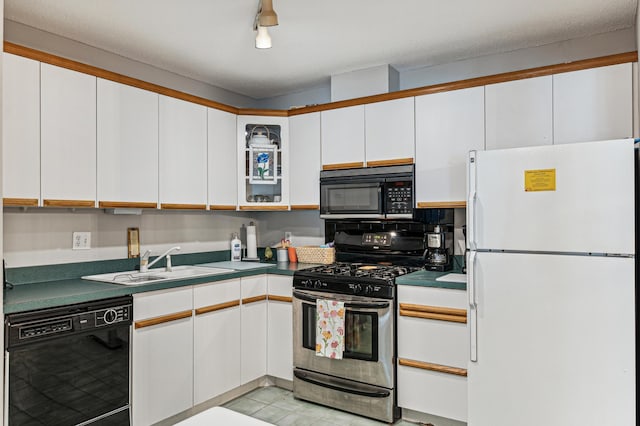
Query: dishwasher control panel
[[113, 315]]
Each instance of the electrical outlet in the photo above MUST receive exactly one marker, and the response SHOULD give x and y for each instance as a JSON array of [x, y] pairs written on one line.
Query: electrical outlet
[[81, 241], [288, 236]]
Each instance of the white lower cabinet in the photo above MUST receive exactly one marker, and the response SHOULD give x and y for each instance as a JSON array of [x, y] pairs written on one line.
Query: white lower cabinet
[[280, 327], [253, 313], [216, 339], [432, 351], [162, 355]]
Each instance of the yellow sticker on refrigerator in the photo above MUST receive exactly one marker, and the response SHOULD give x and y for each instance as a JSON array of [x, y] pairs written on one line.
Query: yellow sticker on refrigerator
[[540, 180]]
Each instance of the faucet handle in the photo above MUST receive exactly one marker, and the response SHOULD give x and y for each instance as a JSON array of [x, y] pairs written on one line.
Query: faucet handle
[[168, 265], [144, 261]]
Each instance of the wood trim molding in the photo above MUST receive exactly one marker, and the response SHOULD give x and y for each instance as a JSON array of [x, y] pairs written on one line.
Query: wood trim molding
[[126, 205], [58, 61], [254, 299], [442, 204], [305, 207], [275, 298], [264, 208], [222, 207], [433, 367], [340, 166], [263, 112], [170, 206], [601, 61], [69, 203], [218, 307], [433, 312], [393, 162], [20, 202], [163, 319]]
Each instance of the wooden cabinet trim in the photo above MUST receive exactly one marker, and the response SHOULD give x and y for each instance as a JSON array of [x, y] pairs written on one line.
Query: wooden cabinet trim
[[170, 206], [275, 298], [433, 313], [126, 205], [69, 203], [221, 207], [265, 208], [218, 307], [340, 166], [442, 204], [392, 162], [305, 207], [254, 299], [20, 202], [433, 367], [163, 319], [443, 87]]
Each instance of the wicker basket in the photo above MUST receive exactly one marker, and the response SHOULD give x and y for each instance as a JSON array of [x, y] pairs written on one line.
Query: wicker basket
[[312, 254]]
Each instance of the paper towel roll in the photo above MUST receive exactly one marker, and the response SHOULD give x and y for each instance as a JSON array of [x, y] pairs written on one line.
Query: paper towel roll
[[252, 246]]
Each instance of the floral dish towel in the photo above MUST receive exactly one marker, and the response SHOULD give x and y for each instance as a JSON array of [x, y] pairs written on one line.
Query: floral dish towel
[[329, 328]]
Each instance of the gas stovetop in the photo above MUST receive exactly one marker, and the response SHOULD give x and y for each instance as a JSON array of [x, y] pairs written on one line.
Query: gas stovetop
[[359, 279]]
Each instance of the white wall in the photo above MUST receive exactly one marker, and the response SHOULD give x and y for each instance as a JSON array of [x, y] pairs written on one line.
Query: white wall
[[306, 227]]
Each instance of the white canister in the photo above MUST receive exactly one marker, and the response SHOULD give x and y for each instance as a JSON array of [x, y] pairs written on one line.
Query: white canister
[[282, 255]]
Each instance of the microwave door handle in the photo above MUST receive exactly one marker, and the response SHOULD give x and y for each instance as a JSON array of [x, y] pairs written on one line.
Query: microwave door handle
[[347, 304]]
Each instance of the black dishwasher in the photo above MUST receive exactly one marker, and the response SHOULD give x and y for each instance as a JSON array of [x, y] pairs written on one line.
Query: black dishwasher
[[69, 365]]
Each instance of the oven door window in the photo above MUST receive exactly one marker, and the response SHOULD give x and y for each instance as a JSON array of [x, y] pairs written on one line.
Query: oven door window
[[361, 333], [351, 198]]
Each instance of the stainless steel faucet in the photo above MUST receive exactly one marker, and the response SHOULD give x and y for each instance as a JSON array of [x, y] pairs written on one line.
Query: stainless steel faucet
[[144, 265]]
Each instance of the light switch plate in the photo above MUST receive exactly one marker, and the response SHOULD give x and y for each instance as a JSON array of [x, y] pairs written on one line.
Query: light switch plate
[[81, 241]]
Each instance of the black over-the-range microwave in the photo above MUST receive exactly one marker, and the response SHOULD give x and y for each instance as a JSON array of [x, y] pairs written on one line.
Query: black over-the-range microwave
[[368, 193]]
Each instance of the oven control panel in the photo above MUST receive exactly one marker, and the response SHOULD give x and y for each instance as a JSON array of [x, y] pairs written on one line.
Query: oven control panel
[[379, 239]]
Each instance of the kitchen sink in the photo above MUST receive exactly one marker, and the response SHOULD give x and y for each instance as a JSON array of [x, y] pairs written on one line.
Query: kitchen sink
[[157, 275]]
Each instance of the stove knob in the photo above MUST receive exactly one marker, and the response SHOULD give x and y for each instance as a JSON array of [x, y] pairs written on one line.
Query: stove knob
[[368, 289], [357, 288], [318, 284]]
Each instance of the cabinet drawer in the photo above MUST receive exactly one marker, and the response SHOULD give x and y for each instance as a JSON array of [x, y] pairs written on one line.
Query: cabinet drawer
[[217, 293], [162, 302], [281, 286], [432, 296], [439, 342], [432, 392], [253, 288]]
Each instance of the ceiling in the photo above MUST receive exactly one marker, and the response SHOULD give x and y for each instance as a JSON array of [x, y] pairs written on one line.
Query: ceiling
[[213, 40]]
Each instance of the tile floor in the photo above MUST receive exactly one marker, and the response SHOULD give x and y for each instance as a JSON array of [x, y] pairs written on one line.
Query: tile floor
[[279, 407]]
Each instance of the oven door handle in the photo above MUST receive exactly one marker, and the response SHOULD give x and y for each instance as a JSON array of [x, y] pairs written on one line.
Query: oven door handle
[[377, 393], [360, 305]]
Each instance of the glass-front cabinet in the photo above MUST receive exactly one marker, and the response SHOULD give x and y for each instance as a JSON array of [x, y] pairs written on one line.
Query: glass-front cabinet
[[263, 163]]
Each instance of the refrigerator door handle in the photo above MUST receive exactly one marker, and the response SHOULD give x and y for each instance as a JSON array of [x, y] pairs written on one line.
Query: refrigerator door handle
[[473, 307], [471, 201]]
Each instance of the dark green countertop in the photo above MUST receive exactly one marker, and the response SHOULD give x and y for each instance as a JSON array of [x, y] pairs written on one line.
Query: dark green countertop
[[46, 294], [428, 278]]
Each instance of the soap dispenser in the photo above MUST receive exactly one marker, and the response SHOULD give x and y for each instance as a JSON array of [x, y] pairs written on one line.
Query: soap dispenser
[[236, 248]]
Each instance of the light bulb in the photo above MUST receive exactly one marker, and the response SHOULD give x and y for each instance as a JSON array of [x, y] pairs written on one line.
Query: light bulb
[[263, 40]]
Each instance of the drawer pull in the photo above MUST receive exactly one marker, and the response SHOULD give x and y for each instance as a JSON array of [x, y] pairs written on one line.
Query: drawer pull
[[126, 205], [20, 202], [218, 307], [69, 203], [433, 312], [254, 299], [165, 318], [393, 162], [433, 367], [280, 298]]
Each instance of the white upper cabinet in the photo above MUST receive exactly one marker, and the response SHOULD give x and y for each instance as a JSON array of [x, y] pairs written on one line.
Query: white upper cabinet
[[127, 145], [342, 133], [304, 132], [21, 130], [183, 154], [263, 162], [519, 113], [593, 104], [68, 137], [448, 126], [390, 132], [223, 167]]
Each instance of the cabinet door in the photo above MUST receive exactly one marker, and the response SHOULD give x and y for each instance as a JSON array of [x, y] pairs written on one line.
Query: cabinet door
[[222, 164], [280, 327], [68, 137], [448, 126], [183, 154], [254, 328], [304, 131], [127, 145], [20, 130], [342, 136], [519, 113], [390, 132], [593, 104], [216, 334], [162, 355]]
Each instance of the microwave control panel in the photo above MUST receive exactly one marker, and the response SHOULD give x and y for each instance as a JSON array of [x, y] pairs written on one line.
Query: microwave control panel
[[399, 197]]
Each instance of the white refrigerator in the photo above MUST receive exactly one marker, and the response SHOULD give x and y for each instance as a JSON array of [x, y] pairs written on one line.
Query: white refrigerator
[[551, 273]]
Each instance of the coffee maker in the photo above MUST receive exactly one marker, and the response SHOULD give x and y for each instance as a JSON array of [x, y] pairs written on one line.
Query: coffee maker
[[439, 253]]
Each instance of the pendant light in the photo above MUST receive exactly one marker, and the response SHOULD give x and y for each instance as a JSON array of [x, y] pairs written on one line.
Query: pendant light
[[266, 17], [263, 39]]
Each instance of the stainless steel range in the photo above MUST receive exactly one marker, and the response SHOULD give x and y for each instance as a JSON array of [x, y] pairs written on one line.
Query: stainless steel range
[[364, 380]]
